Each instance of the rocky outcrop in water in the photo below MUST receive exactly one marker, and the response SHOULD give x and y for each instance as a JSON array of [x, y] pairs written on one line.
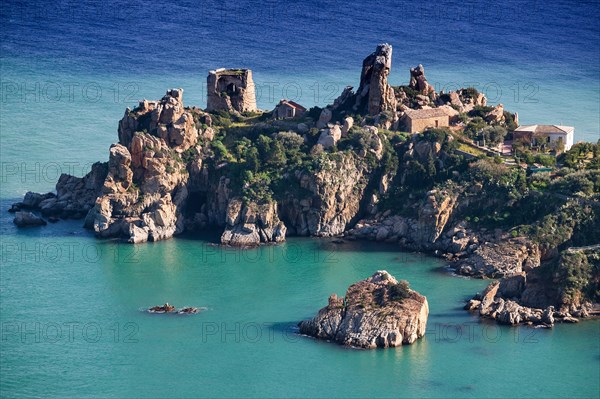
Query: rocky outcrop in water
[[545, 295], [378, 312], [145, 189], [74, 198], [508, 302]]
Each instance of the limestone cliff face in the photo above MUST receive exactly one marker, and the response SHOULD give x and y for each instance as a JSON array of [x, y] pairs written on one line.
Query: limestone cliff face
[[252, 224], [328, 200], [378, 312]]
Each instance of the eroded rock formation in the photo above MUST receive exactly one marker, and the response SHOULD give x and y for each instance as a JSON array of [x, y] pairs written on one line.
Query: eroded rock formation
[[145, 189], [378, 312], [419, 83], [502, 258]]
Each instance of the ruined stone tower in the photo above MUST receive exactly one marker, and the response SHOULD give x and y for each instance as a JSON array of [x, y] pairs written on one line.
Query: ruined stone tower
[[230, 90]]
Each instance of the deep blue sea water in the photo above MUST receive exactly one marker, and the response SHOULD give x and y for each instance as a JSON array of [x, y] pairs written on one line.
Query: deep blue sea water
[[69, 304]]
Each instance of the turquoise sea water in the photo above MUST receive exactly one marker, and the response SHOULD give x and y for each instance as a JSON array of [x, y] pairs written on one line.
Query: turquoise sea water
[[72, 325], [70, 318]]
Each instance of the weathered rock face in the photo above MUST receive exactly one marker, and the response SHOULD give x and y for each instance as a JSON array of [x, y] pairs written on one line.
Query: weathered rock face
[[230, 90], [435, 214], [496, 115], [419, 83], [331, 200], [497, 259], [166, 119], [376, 312], [142, 193], [145, 189], [465, 100], [324, 118], [374, 94], [330, 136], [252, 224]]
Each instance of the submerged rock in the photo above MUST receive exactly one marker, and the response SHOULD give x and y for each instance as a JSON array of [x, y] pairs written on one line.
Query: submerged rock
[[378, 312], [27, 219]]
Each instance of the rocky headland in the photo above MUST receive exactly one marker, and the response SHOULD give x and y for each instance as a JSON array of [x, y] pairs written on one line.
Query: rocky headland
[[378, 312], [354, 169]]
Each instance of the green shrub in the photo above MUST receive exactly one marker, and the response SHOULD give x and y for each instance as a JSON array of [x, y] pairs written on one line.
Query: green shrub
[[399, 291], [219, 149]]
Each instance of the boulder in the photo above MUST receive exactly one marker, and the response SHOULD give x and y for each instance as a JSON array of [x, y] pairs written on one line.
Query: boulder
[[348, 123], [28, 219], [324, 118], [496, 115], [329, 137]]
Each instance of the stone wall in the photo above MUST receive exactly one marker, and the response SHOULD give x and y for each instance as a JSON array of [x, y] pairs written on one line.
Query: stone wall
[[419, 125]]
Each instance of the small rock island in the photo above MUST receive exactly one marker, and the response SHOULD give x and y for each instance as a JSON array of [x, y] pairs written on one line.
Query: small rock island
[[378, 312]]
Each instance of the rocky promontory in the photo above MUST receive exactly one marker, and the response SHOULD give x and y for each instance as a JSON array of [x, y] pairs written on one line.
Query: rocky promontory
[[378, 312], [397, 164]]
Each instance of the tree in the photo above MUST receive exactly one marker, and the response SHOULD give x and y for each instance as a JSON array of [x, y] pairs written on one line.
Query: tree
[[474, 126], [277, 157], [252, 159], [263, 144], [493, 135]]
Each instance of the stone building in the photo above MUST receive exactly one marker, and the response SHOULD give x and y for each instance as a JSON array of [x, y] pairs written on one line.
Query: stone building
[[417, 120], [230, 90], [287, 109]]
